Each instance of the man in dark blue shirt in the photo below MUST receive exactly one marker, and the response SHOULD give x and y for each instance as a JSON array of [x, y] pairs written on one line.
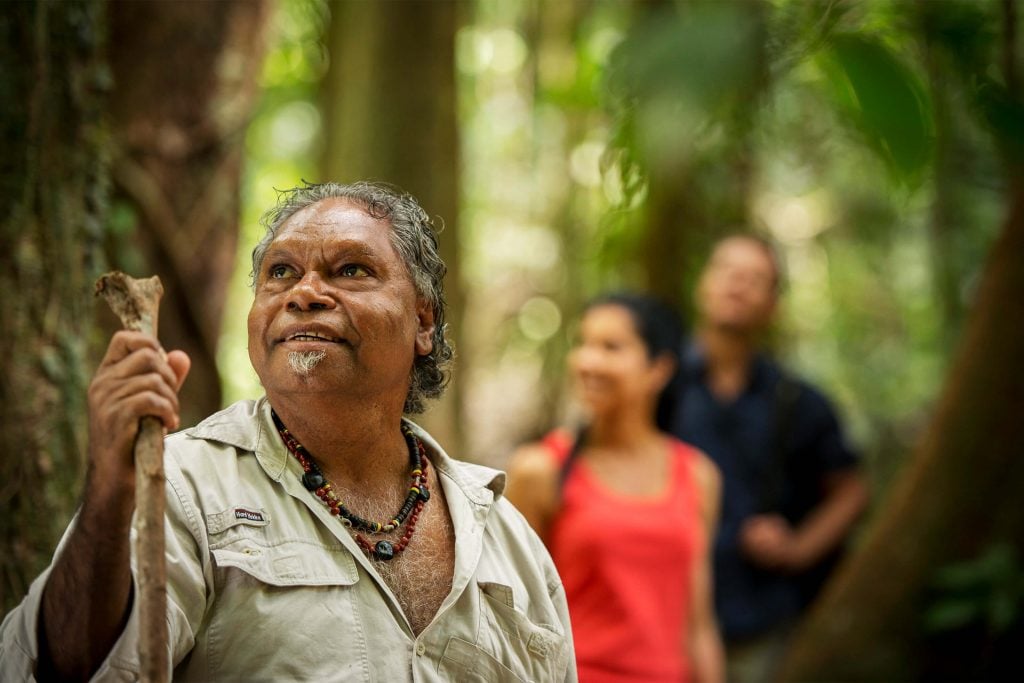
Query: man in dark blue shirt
[[791, 487]]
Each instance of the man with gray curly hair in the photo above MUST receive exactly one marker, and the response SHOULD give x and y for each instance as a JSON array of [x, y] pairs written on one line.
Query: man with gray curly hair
[[314, 533]]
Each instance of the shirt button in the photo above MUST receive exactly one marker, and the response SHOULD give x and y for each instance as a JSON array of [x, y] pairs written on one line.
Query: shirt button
[[420, 649]]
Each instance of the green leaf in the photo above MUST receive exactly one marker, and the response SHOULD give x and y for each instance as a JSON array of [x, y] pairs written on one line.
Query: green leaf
[[885, 99], [1002, 611], [948, 615], [677, 72]]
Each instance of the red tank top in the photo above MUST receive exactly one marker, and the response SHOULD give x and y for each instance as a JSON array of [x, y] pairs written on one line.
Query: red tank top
[[626, 564]]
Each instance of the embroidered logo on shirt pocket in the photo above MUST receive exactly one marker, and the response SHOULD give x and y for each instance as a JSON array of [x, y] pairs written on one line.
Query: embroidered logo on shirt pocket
[[248, 515]]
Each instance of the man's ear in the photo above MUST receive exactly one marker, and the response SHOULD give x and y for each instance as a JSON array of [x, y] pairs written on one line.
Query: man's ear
[[425, 327]]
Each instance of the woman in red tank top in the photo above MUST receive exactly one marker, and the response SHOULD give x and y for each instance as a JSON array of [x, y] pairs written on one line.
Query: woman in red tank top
[[626, 510]]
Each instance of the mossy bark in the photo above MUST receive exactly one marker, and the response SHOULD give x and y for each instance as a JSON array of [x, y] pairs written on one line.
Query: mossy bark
[[53, 187]]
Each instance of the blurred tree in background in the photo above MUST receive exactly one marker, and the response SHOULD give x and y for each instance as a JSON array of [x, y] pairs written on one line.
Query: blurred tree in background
[[184, 88], [950, 505], [571, 147], [153, 99], [389, 106], [53, 86]]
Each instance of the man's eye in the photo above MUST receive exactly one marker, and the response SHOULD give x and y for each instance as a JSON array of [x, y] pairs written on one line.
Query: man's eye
[[353, 270], [280, 271]]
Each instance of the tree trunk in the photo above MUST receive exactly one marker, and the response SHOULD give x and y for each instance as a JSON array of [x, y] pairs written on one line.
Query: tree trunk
[[689, 205], [389, 114], [53, 179], [186, 81], [954, 499], [672, 232]]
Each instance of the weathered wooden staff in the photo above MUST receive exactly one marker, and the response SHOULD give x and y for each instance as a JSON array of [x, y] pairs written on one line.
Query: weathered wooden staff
[[136, 303]]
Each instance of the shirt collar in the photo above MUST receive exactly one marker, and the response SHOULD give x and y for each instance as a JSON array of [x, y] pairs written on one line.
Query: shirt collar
[[247, 425], [694, 365]]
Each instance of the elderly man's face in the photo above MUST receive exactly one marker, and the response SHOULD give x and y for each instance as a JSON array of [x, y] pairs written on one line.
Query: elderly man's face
[[335, 308]]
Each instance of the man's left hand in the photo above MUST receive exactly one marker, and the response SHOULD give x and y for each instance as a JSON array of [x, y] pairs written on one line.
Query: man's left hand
[[770, 542]]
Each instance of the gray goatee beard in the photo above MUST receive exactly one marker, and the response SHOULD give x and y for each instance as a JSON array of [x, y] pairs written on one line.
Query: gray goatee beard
[[303, 362]]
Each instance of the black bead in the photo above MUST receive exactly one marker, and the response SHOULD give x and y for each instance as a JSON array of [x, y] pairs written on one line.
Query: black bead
[[383, 550], [424, 495], [312, 480]]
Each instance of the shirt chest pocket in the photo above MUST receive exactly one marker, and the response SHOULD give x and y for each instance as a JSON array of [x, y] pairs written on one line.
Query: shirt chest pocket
[[276, 599], [509, 644]]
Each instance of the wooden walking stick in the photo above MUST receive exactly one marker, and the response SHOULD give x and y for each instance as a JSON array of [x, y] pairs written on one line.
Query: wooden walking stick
[[136, 303]]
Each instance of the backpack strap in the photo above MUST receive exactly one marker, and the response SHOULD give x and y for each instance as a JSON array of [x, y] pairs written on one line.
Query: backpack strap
[[784, 400], [579, 439]]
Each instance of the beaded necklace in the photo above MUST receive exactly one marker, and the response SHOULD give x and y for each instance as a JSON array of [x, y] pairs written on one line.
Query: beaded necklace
[[314, 480]]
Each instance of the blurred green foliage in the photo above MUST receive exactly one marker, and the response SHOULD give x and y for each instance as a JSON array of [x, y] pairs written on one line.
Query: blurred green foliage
[[974, 617], [847, 131], [883, 97], [987, 591], [281, 148]]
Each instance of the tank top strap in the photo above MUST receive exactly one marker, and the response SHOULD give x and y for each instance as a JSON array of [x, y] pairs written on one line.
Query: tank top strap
[[683, 472], [558, 444]]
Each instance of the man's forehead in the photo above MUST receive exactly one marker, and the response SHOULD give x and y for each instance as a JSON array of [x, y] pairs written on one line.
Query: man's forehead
[[331, 212], [333, 215], [741, 247]]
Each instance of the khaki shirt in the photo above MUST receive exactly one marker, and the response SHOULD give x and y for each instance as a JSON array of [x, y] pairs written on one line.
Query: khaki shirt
[[264, 585]]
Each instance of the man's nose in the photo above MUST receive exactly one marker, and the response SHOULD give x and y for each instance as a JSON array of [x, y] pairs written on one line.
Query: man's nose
[[310, 294]]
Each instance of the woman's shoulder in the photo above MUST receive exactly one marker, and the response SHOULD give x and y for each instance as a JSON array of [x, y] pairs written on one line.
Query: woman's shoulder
[[532, 484], [543, 457], [703, 470]]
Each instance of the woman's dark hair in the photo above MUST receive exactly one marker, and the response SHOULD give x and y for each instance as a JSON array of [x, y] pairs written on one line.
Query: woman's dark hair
[[661, 329]]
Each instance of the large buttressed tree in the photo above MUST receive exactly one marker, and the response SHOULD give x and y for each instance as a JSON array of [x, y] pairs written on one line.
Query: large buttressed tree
[[53, 86], [186, 77]]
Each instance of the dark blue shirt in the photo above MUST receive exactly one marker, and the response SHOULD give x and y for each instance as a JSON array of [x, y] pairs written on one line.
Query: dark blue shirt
[[774, 445]]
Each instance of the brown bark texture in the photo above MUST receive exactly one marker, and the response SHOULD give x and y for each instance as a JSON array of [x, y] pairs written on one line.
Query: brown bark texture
[[53, 85], [136, 303], [389, 105], [186, 77], [958, 495]]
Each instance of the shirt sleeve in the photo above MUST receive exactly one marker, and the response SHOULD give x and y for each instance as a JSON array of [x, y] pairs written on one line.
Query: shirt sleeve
[[18, 643], [186, 599], [557, 594], [827, 444]]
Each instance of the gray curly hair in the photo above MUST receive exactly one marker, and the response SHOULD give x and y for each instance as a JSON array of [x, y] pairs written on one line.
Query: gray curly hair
[[414, 238]]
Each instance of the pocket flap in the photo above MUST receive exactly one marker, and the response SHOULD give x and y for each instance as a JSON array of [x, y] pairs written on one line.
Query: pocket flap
[[290, 563]]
